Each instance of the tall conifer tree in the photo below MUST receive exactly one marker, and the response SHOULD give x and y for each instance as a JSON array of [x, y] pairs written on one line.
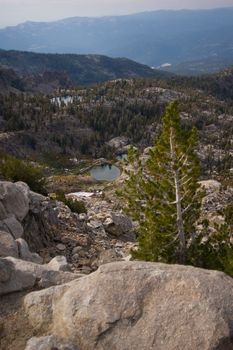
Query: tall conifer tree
[[163, 195]]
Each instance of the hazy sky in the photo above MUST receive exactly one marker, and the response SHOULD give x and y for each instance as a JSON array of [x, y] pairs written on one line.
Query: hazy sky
[[16, 11]]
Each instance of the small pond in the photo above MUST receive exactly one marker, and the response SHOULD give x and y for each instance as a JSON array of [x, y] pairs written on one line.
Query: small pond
[[105, 172]]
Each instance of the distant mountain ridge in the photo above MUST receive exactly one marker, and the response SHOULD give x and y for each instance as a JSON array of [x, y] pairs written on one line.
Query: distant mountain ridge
[[44, 72], [152, 38]]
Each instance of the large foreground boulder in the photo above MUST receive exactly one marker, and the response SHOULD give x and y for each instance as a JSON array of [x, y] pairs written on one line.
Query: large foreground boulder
[[136, 305]]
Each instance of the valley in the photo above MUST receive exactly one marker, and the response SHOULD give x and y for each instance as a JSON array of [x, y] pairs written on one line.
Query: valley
[[87, 127], [116, 184]]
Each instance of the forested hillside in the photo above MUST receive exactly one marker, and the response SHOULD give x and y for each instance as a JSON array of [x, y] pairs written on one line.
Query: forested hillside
[[218, 85], [83, 123], [45, 72]]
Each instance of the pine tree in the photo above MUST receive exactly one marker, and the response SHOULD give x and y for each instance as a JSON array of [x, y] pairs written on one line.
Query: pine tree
[[163, 195]]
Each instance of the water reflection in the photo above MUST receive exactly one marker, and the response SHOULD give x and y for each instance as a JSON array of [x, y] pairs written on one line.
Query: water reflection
[[105, 172]]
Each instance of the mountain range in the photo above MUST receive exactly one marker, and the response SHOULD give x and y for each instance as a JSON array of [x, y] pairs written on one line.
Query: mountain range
[[152, 38], [36, 72]]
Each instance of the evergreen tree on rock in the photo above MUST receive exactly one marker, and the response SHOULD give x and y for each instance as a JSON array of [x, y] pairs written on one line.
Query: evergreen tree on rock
[[164, 195]]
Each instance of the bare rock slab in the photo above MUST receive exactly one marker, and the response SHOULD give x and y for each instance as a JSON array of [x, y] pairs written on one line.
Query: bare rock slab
[[139, 305]]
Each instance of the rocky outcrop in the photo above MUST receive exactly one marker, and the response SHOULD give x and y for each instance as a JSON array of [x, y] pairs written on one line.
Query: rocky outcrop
[[217, 196], [211, 186], [103, 217], [27, 218], [17, 203], [37, 224], [119, 143], [29, 215], [107, 234], [42, 215], [135, 305], [17, 275]]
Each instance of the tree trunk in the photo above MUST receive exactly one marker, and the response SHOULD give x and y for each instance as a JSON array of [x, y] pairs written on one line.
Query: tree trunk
[[180, 223], [179, 216]]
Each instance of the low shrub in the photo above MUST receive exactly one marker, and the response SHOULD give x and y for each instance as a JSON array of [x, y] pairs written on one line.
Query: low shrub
[[13, 169], [75, 205]]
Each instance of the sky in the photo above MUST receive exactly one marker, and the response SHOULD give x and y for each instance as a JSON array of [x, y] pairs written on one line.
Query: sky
[[13, 12]]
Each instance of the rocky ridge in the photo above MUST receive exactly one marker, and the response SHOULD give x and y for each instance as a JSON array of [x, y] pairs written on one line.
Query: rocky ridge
[[51, 298], [36, 229], [42, 244]]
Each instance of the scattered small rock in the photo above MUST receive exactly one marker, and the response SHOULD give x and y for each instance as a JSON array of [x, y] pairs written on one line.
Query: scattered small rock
[[61, 247]]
